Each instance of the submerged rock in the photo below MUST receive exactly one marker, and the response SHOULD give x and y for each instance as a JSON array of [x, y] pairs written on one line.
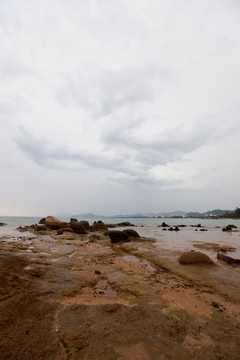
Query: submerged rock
[[194, 257], [229, 227], [125, 223]]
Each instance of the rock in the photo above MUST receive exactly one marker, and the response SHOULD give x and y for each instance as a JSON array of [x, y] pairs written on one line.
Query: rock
[[228, 259], [229, 227], [194, 257], [41, 227], [170, 229], [2, 224], [131, 232], [78, 227], [97, 272], [73, 220], [42, 221], [99, 226], [63, 230], [164, 224], [85, 224], [51, 221], [125, 223], [95, 237], [118, 236], [176, 228], [233, 226], [111, 225]]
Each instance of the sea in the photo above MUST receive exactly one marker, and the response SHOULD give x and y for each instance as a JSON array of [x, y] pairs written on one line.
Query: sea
[[185, 239]]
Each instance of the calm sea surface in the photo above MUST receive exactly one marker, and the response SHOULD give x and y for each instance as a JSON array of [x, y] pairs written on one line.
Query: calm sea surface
[[15, 221]]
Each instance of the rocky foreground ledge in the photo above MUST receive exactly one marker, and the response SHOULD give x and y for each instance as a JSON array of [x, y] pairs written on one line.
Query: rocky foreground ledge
[[85, 295]]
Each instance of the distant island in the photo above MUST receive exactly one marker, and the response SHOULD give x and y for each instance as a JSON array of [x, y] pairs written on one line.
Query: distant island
[[217, 213], [232, 214]]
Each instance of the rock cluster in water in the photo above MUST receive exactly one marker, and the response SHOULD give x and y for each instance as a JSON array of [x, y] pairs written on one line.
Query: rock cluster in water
[[83, 227]]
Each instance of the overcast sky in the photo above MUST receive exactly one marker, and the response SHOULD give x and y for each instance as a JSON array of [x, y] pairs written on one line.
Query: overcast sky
[[119, 106]]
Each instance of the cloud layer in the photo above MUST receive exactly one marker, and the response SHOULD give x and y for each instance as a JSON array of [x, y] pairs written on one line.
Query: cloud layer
[[137, 99]]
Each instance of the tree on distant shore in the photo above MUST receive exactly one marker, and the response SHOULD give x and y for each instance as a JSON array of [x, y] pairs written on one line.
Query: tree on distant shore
[[232, 214]]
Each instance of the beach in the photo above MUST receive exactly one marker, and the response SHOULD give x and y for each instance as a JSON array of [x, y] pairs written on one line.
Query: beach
[[80, 296]]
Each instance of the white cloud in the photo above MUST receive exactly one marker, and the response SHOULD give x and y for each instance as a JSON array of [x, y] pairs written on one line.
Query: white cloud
[[133, 94]]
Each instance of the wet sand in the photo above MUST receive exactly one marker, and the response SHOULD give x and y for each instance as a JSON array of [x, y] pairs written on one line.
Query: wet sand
[[80, 297]]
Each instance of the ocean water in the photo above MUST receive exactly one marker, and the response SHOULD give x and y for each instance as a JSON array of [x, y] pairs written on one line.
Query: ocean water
[[15, 221], [183, 240]]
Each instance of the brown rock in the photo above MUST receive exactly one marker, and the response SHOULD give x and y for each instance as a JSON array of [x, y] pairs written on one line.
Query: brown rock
[[78, 227], [125, 223], [51, 221], [85, 224], [194, 257], [63, 230], [99, 226], [73, 220], [131, 232], [118, 236], [42, 221]]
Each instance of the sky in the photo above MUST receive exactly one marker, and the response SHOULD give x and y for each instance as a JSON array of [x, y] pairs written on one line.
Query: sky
[[119, 106]]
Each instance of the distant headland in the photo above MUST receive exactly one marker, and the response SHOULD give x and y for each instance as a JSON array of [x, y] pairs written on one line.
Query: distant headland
[[212, 214]]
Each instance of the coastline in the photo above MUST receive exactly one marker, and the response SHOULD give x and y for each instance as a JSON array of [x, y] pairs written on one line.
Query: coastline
[[117, 301]]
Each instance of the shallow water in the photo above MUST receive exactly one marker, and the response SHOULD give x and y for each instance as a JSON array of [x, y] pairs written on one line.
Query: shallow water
[[185, 239], [149, 227]]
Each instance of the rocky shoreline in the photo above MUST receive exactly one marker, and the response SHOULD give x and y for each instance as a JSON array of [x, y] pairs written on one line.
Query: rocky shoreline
[[87, 294]]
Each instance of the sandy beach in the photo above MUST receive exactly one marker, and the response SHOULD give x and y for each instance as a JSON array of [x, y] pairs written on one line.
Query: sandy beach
[[80, 296]]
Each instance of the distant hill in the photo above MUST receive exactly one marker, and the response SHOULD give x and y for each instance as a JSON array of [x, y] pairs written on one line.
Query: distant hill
[[88, 216], [172, 213], [216, 212]]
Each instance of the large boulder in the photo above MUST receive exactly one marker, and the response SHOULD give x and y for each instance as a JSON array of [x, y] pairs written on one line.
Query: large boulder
[[194, 257], [99, 226], [51, 221], [42, 221], [131, 232], [85, 224], [78, 227], [118, 236]]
